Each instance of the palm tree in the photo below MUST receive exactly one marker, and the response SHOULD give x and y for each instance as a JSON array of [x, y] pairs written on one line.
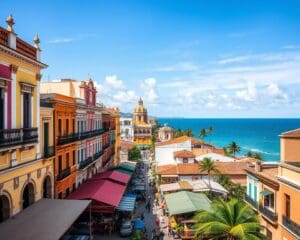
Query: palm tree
[[188, 132], [234, 148], [207, 164], [257, 156], [178, 133], [249, 154], [203, 133], [233, 220], [210, 130]]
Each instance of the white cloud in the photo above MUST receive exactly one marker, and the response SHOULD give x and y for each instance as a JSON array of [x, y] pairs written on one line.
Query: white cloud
[[148, 87], [233, 106], [179, 67], [291, 47], [248, 94], [211, 105], [62, 40], [114, 82], [274, 91]]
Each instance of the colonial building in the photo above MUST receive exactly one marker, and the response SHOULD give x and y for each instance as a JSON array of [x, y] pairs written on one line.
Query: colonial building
[[165, 133], [126, 129], [274, 190], [142, 127], [25, 172], [86, 131]]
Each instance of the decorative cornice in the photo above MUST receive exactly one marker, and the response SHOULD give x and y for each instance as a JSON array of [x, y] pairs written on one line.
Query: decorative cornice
[[14, 68], [21, 57]]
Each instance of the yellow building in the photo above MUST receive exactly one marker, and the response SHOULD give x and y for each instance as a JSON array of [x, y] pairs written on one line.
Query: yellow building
[[23, 171], [141, 127]]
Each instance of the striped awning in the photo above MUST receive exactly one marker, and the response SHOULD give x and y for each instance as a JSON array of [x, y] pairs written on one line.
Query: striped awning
[[127, 203]]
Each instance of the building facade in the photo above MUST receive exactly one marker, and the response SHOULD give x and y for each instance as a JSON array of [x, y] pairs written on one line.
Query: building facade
[[126, 129], [273, 190], [165, 133], [141, 126], [23, 169]]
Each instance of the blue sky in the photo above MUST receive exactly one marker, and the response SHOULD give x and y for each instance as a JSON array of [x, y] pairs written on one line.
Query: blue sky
[[185, 58]]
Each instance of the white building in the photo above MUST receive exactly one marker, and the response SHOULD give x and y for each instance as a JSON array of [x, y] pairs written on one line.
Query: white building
[[126, 128], [165, 133], [215, 157], [186, 148]]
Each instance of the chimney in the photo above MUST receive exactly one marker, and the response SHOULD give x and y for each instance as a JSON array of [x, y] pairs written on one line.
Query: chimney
[[258, 166], [12, 36]]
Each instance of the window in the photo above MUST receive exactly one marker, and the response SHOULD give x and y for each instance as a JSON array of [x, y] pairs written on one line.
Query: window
[[255, 192], [26, 110], [73, 125], [59, 163], [185, 160], [59, 127], [269, 201], [2, 102], [74, 160], [250, 189], [287, 205], [67, 160], [60, 195], [67, 126]]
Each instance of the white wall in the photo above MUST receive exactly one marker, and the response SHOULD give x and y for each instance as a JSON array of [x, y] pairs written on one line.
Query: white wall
[[180, 160], [165, 154]]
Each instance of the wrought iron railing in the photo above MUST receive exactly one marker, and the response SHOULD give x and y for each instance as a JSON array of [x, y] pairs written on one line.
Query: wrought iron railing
[[291, 225], [17, 136], [98, 154], [78, 136], [49, 152], [85, 163], [268, 213], [67, 138], [64, 173]]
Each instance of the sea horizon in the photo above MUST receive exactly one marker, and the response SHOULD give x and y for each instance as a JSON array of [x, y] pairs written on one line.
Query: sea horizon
[[259, 135]]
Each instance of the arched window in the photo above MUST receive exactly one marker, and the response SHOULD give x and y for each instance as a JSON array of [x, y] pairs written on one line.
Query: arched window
[[28, 195], [47, 187], [4, 208]]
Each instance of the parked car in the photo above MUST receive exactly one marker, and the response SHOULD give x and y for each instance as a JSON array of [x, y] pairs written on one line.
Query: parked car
[[126, 228]]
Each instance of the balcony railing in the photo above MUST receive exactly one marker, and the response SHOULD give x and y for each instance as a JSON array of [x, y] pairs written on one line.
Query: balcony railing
[[78, 136], [252, 202], [98, 154], [86, 162], [291, 225], [30, 135], [105, 145], [67, 138], [64, 173], [49, 152], [268, 213], [17, 136]]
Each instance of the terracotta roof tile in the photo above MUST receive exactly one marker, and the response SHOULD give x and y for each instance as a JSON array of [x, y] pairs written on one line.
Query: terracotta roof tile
[[293, 133], [126, 144], [194, 141], [184, 154], [169, 169], [188, 169]]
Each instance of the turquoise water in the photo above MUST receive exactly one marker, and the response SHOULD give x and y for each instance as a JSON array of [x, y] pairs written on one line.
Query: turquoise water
[[258, 135]]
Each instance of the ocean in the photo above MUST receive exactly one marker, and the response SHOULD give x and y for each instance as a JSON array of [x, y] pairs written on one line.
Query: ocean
[[257, 135]]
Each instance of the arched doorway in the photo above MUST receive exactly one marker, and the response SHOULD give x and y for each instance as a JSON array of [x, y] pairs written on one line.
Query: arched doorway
[[47, 187], [4, 208], [28, 195]]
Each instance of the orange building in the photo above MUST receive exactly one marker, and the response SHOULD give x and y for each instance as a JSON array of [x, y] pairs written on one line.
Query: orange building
[[274, 190], [65, 165]]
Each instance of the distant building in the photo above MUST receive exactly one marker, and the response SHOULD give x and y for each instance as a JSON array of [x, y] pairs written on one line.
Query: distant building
[[165, 133], [126, 146], [273, 189], [141, 126], [126, 128]]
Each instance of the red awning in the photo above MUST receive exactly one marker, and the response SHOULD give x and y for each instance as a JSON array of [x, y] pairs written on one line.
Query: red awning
[[102, 191], [5, 72], [114, 175]]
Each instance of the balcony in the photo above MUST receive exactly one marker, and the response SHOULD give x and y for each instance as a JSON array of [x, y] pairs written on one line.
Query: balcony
[[18, 136], [268, 213], [97, 155], [63, 174], [252, 202], [291, 225], [67, 139], [88, 134], [105, 145], [30, 135], [49, 152], [85, 163]]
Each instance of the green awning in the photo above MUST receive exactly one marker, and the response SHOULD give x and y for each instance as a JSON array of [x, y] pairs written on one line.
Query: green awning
[[186, 202], [265, 192]]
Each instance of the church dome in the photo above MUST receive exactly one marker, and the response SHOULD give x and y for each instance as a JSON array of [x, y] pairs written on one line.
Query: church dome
[[140, 107]]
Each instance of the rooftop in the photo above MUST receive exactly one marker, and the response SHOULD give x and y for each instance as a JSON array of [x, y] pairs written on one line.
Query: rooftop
[[291, 134], [194, 141], [184, 154]]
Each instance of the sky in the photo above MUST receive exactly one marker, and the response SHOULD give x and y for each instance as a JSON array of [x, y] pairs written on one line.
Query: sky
[[185, 58]]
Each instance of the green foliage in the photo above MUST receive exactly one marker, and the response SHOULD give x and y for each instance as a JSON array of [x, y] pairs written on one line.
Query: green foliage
[[137, 235], [233, 220], [187, 132], [134, 154], [234, 190], [207, 164], [255, 155], [227, 152], [203, 133], [234, 148]]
